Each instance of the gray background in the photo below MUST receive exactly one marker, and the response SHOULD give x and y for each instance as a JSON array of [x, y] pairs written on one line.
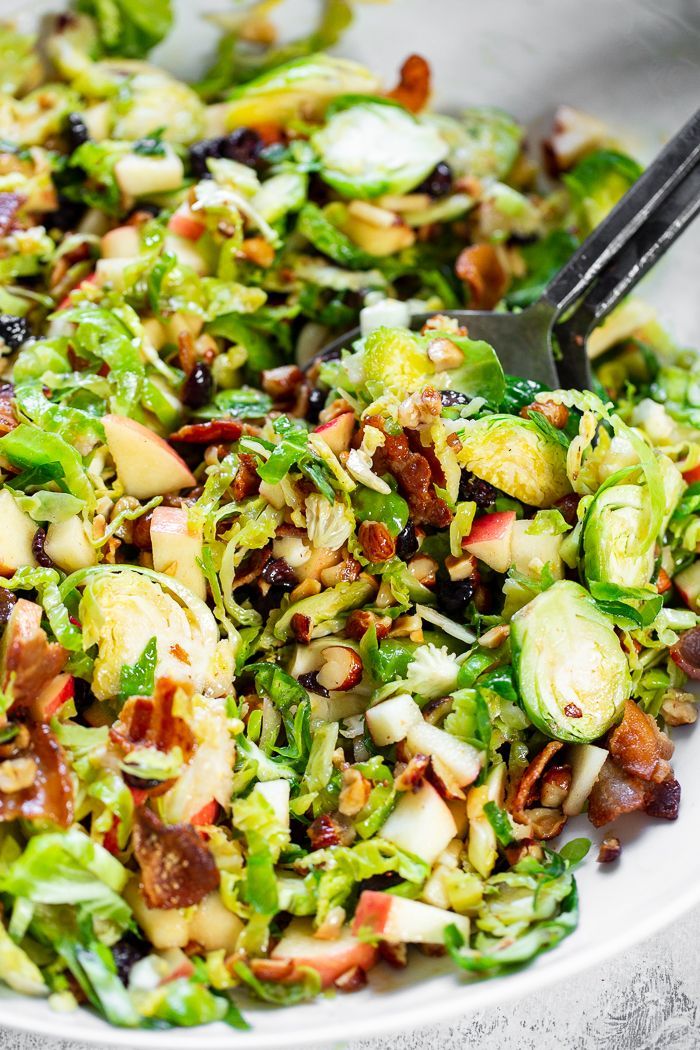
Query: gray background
[[646, 999]]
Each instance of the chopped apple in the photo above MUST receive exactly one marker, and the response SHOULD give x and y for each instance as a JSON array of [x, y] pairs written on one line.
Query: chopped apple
[[52, 697], [67, 544], [97, 119], [399, 920], [329, 958], [530, 552], [186, 224], [111, 271], [17, 531], [391, 720], [213, 926], [123, 242], [276, 792], [421, 824], [146, 465], [177, 548], [337, 432], [688, 585], [586, 760], [458, 809], [462, 761], [139, 175], [187, 253], [490, 539]]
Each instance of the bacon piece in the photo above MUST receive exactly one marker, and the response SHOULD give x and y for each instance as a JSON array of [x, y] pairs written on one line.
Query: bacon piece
[[28, 661], [526, 789], [177, 869], [639, 746], [247, 480], [209, 433], [151, 722], [686, 651], [413, 88], [414, 476], [10, 203], [614, 793], [480, 268], [50, 796]]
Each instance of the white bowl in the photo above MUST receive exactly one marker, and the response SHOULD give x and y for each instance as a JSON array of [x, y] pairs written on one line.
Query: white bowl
[[633, 63]]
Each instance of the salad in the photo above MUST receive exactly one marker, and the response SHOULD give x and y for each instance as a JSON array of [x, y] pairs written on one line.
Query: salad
[[306, 662]]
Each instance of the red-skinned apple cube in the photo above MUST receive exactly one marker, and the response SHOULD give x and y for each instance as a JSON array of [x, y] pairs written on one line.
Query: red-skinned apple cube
[[337, 432], [330, 958], [52, 697], [490, 539], [688, 585], [399, 920], [146, 464], [186, 224]]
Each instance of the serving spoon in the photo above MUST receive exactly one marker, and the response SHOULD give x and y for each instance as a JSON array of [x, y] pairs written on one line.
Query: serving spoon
[[546, 341]]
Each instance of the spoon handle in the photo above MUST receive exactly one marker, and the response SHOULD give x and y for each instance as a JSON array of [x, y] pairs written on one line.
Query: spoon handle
[[677, 158]]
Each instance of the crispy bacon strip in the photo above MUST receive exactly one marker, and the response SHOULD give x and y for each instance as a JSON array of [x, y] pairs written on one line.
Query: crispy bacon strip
[[247, 481], [639, 746], [617, 792], [526, 790], [50, 797], [414, 476], [480, 269], [151, 722], [28, 661], [413, 88], [209, 433], [177, 869]]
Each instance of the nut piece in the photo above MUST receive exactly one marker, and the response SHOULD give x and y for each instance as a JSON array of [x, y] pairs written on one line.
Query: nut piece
[[413, 774], [342, 668], [420, 408], [679, 709], [17, 774], [354, 792], [441, 323], [556, 784], [610, 850], [283, 381], [377, 542], [558, 415], [479, 266], [301, 627], [424, 569], [445, 354], [360, 620], [462, 568]]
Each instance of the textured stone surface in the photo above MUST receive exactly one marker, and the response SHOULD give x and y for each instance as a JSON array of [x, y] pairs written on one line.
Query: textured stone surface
[[648, 999]]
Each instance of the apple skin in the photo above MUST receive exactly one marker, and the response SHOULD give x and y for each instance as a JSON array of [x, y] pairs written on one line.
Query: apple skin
[[185, 224], [490, 539], [691, 476], [52, 697], [687, 584], [337, 432], [397, 919], [146, 464], [330, 959]]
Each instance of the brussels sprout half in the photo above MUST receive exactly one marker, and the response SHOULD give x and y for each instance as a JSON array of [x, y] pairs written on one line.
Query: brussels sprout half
[[374, 148], [572, 674], [484, 143], [611, 540], [516, 456]]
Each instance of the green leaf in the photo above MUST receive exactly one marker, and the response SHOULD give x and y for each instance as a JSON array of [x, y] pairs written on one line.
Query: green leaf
[[129, 28], [139, 679], [317, 227], [500, 822], [43, 457]]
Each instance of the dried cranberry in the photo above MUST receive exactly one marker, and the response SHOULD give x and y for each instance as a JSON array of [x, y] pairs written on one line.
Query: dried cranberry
[[141, 783], [7, 602], [318, 191], [13, 330], [567, 507], [127, 952], [278, 573], [438, 183], [311, 683], [665, 801], [450, 398], [453, 596], [317, 400], [407, 542], [243, 145], [38, 550], [66, 216], [198, 386], [476, 490], [77, 131]]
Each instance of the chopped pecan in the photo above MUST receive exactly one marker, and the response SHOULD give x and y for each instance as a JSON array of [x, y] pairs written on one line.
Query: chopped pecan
[[301, 627], [639, 746], [610, 850], [151, 722], [413, 89], [441, 323], [480, 268], [556, 783], [376, 541], [557, 415], [28, 660], [445, 354], [352, 980], [517, 851], [354, 792], [247, 481], [282, 383], [177, 869], [49, 795], [275, 970], [327, 830], [396, 955], [421, 407], [527, 787], [209, 433]]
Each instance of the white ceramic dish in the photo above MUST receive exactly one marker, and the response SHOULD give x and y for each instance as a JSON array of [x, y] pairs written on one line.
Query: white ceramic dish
[[634, 63]]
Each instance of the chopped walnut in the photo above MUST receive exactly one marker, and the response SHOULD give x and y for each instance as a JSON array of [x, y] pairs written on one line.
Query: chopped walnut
[[495, 636], [558, 415], [282, 382], [354, 792], [420, 408], [610, 850], [413, 773], [445, 354], [17, 774], [441, 323]]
